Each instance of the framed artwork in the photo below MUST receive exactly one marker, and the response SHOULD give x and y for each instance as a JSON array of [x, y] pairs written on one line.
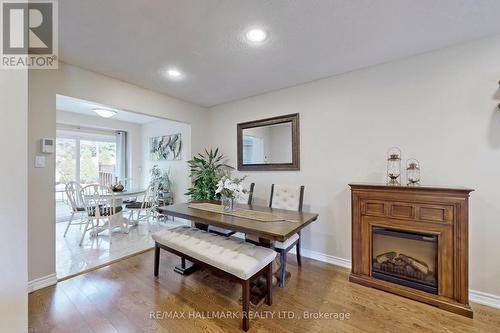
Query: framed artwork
[[166, 148]]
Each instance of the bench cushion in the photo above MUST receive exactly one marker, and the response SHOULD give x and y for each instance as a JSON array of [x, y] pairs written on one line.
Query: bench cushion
[[229, 254]]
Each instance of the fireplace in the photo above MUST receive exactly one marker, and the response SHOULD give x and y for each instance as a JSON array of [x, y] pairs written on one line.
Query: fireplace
[[412, 241], [405, 258]]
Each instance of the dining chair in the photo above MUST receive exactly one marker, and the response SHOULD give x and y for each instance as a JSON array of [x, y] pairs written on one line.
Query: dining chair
[[128, 183], [100, 204], [227, 232], [75, 200], [147, 205], [291, 198]]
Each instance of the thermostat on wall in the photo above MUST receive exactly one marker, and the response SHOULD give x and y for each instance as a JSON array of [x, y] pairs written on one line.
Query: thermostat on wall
[[48, 145]]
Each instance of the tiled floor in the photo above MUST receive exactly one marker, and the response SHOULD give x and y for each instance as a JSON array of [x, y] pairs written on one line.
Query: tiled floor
[[63, 211], [72, 258]]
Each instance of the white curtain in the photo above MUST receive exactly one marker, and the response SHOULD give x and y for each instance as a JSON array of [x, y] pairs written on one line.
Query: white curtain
[[121, 154]]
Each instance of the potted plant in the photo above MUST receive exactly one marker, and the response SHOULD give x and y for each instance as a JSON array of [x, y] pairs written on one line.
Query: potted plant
[[163, 179], [206, 171]]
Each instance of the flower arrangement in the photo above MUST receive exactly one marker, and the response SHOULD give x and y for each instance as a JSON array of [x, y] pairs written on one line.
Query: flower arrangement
[[229, 189]]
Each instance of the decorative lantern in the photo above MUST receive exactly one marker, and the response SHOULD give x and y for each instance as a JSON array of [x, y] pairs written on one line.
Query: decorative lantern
[[394, 166], [413, 172]]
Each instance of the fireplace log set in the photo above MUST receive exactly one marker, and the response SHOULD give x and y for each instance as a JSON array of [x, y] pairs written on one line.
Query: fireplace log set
[[403, 265]]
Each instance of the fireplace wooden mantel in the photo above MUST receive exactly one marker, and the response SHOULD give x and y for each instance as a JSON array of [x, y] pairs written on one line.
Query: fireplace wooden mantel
[[437, 211]]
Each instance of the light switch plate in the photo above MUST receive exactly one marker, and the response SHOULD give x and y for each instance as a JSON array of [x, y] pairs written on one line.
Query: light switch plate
[[40, 161]]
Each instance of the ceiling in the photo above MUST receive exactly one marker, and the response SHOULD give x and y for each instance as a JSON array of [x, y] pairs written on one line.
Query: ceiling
[[308, 39], [75, 105]]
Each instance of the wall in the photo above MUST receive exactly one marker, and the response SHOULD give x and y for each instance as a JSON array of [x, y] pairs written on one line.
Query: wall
[[440, 108], [13, 201], [179, 170], [134, 149], [79, 83]]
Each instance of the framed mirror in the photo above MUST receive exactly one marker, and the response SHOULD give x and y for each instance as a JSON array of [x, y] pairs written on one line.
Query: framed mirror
[[270, 144]]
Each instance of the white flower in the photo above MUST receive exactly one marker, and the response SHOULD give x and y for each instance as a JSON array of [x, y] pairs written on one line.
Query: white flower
[[220, 186]]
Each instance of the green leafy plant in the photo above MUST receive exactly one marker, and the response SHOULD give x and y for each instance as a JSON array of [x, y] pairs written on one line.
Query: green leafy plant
[[162, 177], [206, 171]]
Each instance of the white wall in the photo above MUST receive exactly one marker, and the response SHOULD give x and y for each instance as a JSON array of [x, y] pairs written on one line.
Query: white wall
[[440, 108], [86, 85], [179, 170], [134, 136], [13, 201]]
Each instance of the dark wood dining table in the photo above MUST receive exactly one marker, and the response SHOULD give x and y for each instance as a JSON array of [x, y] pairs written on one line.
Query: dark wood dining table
[[266, 231]]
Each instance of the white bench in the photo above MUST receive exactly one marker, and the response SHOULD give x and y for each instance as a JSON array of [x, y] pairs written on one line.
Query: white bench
[[235, 258]]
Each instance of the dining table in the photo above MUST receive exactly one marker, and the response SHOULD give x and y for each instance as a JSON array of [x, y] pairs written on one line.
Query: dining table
[[287, 224], [119, 198]]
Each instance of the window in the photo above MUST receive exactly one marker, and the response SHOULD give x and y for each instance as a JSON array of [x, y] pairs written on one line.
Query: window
[[97, 162], [65, 160], [85, 158]]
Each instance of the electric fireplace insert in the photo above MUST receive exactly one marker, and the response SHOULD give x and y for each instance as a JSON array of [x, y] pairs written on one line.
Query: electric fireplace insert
[[405, 258]]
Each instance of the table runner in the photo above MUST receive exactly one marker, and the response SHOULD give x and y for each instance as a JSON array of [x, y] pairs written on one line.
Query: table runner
[[238, 212]]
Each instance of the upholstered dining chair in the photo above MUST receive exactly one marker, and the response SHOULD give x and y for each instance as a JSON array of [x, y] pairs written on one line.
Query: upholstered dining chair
[[291, 198], [75, 200], [227, 232], [100, 204], [147, 206]]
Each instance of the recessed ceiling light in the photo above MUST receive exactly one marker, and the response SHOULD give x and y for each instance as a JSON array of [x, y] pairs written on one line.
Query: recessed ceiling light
[[105, 113], [256, 35], [174, 73]]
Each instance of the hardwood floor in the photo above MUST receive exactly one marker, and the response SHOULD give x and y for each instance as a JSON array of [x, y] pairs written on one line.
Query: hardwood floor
[[121, 297]]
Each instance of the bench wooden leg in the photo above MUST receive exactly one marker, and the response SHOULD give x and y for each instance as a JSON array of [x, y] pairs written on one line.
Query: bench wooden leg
[[246, 304], [157, 259], [269, 284]]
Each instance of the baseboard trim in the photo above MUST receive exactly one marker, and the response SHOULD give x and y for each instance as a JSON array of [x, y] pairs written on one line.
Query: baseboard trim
[[484, 298], [44, 281], [324, 257], [474, 295]]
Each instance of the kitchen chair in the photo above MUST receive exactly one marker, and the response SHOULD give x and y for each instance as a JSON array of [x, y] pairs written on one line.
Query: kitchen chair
[[148, 205], [291, 198], [227, 232], [100, 204], [75, 200], [128, 183], [287, 197]]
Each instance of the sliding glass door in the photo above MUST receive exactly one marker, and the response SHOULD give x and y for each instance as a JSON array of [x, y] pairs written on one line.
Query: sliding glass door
[[85, 158], [66, 158], [97, 162], [85, 161]]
